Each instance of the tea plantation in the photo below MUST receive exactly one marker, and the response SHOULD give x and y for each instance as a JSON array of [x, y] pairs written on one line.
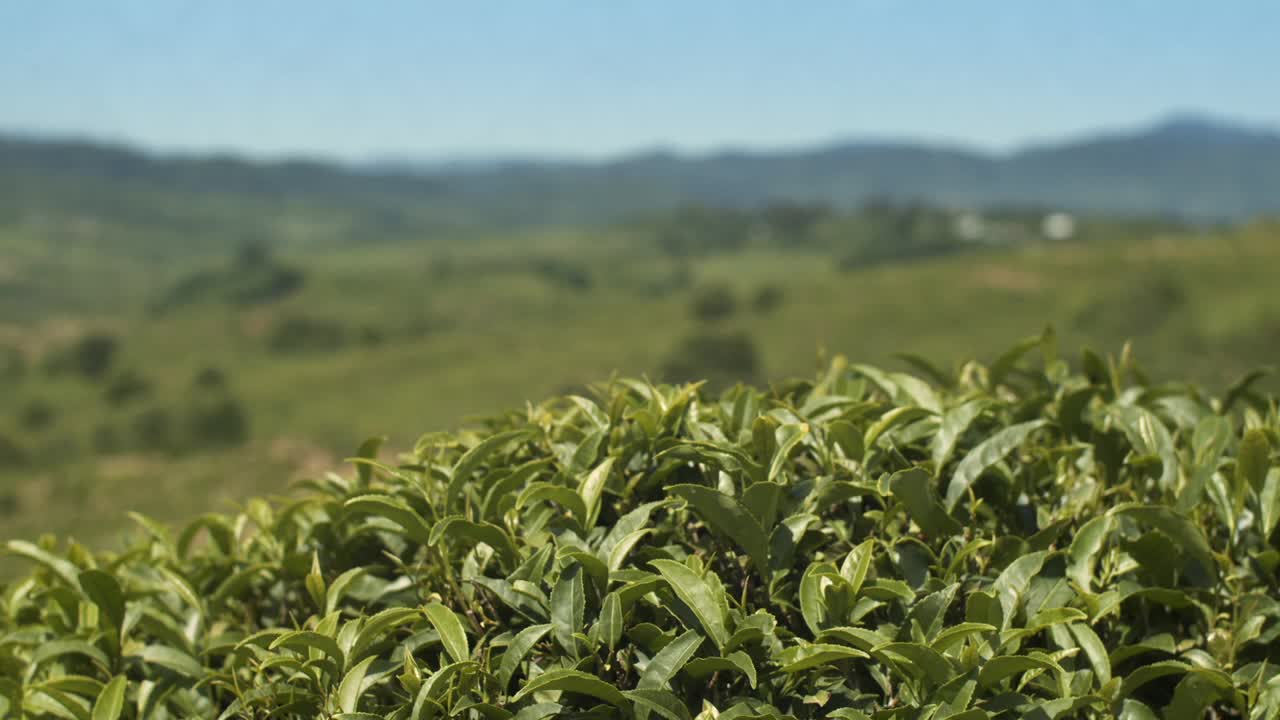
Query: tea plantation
[[1016, 540]]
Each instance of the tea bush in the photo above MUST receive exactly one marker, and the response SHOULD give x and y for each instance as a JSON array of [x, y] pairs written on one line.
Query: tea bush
[[1012, 540]]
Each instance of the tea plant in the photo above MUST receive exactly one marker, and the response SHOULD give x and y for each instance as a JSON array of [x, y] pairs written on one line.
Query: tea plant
[[1012, 540]]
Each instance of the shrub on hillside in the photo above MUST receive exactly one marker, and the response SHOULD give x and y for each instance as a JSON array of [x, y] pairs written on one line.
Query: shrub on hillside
[[13, 364], [766, 299], [303, 333], [661, 282], [562, 273], [371, 335], [265, 285], [216, 420], [91, 356], [37, 415], [126, 387], [696, 231], [720, 358], [153, 430], [253, 277], [1017, 542], [714, 303], [210, 378], [12, 453]]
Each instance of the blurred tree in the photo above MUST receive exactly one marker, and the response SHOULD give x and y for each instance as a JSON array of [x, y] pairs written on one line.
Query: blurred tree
[[91, 356], [37, 415], [125, 387], [713, 303], [253, 253], [719, 358], [793, 223], [153, 430], [216, 420], [12, 454], [210, 377], [766, 299], [13, 363], [697, 230]]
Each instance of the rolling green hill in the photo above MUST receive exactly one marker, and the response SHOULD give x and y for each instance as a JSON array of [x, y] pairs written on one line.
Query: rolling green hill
[[403, 337]]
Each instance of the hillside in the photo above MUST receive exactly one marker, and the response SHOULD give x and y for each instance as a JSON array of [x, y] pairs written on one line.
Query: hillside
[[1186, 166], [403, 338]]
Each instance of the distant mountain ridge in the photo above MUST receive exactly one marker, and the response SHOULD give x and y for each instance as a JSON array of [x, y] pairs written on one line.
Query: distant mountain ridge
[[1187, 165]]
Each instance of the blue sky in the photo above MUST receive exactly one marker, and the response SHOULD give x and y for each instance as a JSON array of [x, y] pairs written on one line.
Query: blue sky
[[594, 78]]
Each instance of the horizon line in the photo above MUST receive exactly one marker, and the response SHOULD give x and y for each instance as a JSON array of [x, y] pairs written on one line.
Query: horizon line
[[412, 161]]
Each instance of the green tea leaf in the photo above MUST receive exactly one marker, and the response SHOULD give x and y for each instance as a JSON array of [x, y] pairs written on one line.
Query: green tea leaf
[[726, 516], [460, 531], [110, 702], [104, 590], [802, 657], [351, 687], [573, 681], [517, 651], [660, 702], [65, 571], [451, 632], [395, 510], [733, 662], [667, 662], [955, 422], [988, 453], [914, 489], [568, 605], [610, 621], [703, 598], [171, 659], [789, 436], [1000, 667], [1253, 460]]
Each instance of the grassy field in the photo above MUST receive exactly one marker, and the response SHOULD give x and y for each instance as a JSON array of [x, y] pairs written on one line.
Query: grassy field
[[406, 338]]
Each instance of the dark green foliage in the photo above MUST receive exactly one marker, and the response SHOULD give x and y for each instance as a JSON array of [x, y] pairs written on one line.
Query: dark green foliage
[[272, 283], [1017, 542], [304, 333], [210, 378], [153, 430], [12, 453], [886, 232], [13, 364], [126, 387], [253, 277], [698, 230], [675, 278], [791, 224], [562, 273], [90, 356], [372, 335], [210, 417], [720, 358], [37, 415], [767, 298], [714, 303], [216, 420]]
